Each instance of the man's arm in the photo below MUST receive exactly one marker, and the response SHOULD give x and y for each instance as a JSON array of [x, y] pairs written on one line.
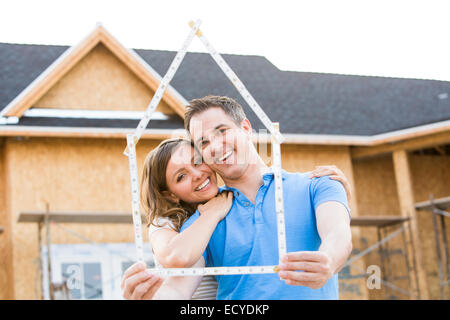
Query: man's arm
[[333, 226]]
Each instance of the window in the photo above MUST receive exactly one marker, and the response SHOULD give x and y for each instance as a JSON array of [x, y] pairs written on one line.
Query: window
[[91, 271]]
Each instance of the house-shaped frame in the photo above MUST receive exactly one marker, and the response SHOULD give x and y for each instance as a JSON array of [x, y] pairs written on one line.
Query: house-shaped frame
[[277, 139]]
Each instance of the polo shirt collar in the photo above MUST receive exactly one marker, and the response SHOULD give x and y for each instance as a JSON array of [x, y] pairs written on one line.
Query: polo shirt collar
[[270, 174], [267, 178]]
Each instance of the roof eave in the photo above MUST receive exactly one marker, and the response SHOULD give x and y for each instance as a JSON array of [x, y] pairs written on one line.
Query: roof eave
[[311, 139]]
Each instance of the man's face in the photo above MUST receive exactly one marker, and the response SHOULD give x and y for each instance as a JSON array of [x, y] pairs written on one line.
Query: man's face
[[223, 143]]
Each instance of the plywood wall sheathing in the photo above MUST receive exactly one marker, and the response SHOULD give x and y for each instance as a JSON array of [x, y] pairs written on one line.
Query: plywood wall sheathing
[[100, 81], [71, 175], [6, 241]]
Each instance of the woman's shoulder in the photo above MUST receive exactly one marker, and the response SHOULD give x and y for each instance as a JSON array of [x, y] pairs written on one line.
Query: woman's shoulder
[[160, 223]]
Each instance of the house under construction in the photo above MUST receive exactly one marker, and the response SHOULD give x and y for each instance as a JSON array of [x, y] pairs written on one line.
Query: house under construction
[[64, 181]]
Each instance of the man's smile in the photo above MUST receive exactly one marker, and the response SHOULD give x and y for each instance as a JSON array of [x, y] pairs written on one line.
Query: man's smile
[[225, 156]]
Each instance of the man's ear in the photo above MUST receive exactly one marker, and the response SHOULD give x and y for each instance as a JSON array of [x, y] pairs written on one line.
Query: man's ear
[[170, 196], [246, 126]]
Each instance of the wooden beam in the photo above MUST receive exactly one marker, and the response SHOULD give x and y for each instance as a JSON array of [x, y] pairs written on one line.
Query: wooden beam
[[408, 145], [377, 221], [407, 210], [76, 217], [441, 203]]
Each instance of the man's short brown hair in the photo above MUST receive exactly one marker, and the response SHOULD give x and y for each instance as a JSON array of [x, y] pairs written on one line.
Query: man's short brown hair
[[230, 106]]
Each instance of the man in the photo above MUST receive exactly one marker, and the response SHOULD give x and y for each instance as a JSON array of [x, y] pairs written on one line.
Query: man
[[317, 218]]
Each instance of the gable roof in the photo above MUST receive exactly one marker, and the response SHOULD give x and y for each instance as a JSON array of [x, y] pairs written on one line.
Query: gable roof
[[303, 102], [73, 55]]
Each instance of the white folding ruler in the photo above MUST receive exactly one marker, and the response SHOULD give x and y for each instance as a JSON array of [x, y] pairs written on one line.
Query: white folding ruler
[[277, 139]]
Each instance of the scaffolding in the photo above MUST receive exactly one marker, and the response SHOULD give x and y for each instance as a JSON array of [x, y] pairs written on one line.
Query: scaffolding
[[52, 291], [384, 226], [438, 208]]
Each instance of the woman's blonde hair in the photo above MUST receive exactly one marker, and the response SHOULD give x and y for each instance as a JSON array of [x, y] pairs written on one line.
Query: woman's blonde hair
[[155, 194]]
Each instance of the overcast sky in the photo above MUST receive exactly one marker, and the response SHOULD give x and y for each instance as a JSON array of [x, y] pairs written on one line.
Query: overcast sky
[[393, 38]]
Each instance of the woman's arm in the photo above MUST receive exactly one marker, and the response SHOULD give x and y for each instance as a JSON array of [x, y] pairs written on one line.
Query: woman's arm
[[139, 284], [179, 250], [180, 288]]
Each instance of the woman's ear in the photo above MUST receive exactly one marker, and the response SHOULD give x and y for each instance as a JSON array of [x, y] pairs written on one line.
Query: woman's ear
[[171, 197]]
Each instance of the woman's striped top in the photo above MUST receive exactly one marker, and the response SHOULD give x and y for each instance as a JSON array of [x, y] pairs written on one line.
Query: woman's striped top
[[207, 290]]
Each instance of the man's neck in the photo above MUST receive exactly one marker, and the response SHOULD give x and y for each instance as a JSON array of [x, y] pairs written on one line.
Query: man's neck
[[251, 180]]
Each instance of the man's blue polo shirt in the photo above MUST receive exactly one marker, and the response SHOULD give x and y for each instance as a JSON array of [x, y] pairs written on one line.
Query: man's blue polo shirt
[[248, 237]]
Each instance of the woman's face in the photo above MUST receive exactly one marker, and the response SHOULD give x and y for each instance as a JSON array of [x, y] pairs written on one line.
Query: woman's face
[[189, 178]]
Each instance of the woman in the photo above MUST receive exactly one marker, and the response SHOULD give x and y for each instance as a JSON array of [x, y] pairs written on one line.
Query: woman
[[175, 183]]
